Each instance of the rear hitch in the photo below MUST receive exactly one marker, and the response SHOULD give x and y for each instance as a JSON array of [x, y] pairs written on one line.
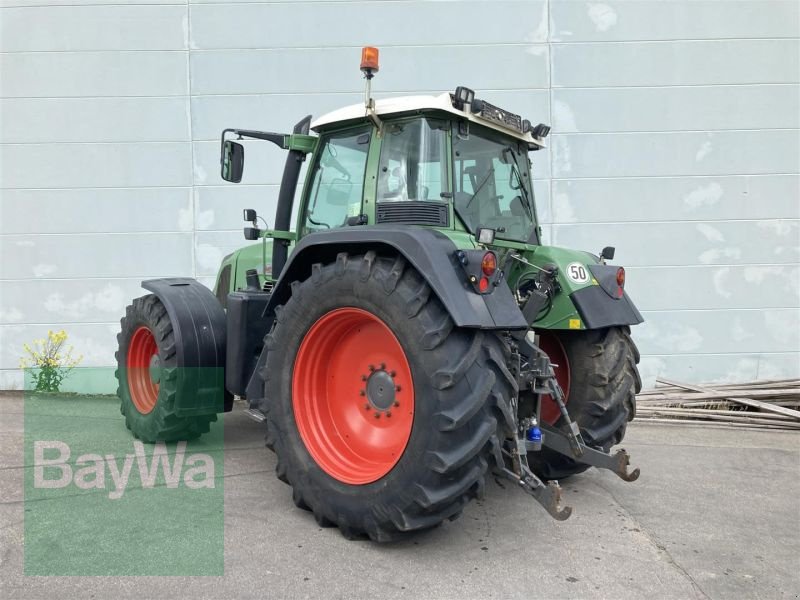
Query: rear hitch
[[547, 494], [618, 462]]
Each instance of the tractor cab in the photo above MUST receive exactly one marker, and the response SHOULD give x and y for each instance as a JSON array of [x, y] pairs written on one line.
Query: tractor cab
[[427, 163]]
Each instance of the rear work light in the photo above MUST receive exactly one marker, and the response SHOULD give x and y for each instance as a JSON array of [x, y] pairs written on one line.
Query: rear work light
[[620, 281], [489, 264]]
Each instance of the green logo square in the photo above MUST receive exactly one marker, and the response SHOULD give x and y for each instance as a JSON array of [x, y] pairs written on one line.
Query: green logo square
[[100, 502]]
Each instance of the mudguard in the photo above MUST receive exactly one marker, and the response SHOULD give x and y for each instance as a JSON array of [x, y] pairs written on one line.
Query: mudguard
[[198, 322], [429, 251], [605, 304]]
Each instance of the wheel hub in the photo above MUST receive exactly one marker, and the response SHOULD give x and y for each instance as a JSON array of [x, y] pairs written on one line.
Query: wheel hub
[[353, 395], [381, 391], [155, 369]]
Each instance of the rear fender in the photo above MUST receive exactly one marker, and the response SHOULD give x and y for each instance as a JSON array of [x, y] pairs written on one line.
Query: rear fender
[[430, 252]]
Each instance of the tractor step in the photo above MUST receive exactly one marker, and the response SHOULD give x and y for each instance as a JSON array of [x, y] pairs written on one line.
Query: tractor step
[[256, 415]]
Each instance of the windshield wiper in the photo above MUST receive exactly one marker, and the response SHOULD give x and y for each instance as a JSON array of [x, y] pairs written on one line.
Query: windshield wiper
[[525, 198]]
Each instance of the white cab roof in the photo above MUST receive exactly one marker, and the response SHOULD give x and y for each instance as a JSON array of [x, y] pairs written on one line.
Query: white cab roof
[[405, 104]]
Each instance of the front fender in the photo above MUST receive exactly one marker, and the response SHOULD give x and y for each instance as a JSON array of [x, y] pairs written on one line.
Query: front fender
[[198, 324]]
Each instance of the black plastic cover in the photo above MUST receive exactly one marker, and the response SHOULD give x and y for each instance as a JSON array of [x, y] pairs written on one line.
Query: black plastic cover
[[247, 326], [198, 322], [598, 309], [429, 251]]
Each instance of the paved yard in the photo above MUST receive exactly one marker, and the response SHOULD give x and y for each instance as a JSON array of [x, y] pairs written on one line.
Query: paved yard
[[715, 514]]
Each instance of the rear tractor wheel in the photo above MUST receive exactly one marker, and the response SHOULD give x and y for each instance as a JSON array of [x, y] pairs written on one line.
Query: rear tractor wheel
[[147, 376], [597, 371], [380, 409]]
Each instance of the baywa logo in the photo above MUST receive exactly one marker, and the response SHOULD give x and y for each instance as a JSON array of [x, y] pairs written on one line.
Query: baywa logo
[[100, 502], [95, 471]]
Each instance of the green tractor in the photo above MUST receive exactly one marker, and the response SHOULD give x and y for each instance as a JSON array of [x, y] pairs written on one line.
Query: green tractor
[[410, 335]]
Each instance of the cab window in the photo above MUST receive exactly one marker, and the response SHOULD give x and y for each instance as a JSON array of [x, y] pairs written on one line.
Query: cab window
[[337, 185], [413, 164]]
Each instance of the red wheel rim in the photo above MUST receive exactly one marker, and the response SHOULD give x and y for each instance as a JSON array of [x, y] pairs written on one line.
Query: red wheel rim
[[141, 352], [553, 347], [353, 396]]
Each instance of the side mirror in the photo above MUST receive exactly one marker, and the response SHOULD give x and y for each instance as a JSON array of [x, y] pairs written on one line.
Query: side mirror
[[232, 161]]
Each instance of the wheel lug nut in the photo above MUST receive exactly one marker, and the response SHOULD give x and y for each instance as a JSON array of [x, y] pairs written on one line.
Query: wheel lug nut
[[377, 415], [388, 414], [398, 388], [362, 393], [366, 406], [383, 366], [393, 374], [396, 404], [371, 367], [363, 378]]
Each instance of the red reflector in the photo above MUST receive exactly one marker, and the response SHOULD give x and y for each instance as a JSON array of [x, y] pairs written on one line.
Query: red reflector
[[621, 277], [489, 264], [483, 284]]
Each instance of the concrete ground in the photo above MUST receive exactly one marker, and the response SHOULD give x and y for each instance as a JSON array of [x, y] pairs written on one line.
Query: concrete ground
[[715, 514]]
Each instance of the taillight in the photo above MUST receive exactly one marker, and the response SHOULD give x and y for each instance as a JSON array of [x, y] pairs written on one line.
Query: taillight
[[620, 282], [488, 266], [483, 284]]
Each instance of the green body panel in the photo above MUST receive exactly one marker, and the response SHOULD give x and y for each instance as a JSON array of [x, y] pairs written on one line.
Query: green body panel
[[562, 314]]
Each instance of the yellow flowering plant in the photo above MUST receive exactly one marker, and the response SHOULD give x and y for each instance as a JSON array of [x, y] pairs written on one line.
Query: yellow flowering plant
[[49, 361]]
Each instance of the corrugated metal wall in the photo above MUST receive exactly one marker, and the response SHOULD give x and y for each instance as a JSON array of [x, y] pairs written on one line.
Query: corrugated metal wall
[[675, 138]]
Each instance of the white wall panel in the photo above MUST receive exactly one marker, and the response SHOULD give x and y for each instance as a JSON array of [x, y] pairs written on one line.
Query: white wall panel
[[96, 255], [67, 300], [712, 288], [264, 25], [622, 20], [678, 108], [61, 27], [137, 209], [26, 120], [676, 154], [676, 63], [96, 165], [69, 74], [718, 332], [701, 198], [697, 243]]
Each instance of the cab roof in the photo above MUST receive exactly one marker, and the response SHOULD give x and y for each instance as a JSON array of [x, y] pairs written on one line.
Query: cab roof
[[409, 104]]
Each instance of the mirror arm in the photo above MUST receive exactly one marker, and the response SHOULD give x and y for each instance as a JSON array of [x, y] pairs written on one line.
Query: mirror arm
[[279, 139]]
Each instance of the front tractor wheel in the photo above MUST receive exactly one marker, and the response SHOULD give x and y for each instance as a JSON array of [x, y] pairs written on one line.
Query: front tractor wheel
[[379, 408], [597, 371], [147, 376]]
